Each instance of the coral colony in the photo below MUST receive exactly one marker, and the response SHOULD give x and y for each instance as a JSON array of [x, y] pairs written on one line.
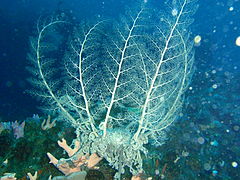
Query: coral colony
[[17, 129], [121, 87]]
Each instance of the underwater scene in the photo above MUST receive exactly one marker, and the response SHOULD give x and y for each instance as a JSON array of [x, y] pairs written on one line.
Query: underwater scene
[[119, 89]]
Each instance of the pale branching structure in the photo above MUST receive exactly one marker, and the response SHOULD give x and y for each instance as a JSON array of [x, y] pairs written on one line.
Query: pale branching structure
[[123, 89], [167, 67]]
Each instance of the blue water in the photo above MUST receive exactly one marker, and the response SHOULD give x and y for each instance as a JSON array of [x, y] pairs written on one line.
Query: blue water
[[205, 142]]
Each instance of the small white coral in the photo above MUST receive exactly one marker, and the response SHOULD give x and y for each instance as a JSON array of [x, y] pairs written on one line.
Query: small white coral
[[47, 124], [8, 176], [32, 177]]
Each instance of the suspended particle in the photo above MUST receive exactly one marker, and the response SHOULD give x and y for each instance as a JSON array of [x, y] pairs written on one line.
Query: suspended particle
[[214, 71], [236, 128], [214, 143], [201, 140], [214, 172], [238, 41], [234, 164], [214, 86], [207, 166], [231, 9], [174, 12], [197, 40]]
